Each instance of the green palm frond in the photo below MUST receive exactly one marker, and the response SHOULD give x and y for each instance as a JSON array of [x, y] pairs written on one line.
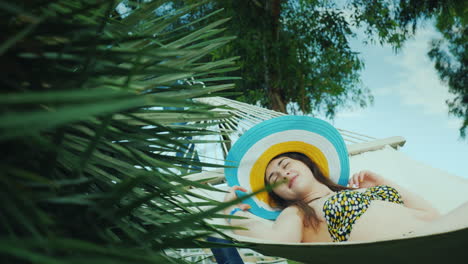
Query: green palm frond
[[97, 126]]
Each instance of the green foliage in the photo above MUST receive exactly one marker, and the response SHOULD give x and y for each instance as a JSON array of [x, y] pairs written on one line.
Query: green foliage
[[322, 70], [92, 154], [298, 53], [293, 52], [450, 55]]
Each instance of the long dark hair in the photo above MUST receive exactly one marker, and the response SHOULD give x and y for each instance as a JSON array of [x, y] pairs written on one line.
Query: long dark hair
[[310, 218]]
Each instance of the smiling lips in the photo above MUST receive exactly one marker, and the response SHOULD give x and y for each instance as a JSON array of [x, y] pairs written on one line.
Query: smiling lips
[[292, 181]]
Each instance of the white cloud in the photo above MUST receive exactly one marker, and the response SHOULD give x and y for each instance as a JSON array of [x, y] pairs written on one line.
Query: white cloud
[[417, 83], [454, 123]]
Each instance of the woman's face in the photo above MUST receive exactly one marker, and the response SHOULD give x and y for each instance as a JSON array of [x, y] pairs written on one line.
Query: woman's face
[[299, 178]]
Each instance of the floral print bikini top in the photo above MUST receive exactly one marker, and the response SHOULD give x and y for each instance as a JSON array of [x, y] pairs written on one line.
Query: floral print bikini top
[[345, 207]]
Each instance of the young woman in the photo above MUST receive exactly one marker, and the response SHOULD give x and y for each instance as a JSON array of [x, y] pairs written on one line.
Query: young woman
[[315, 209], [307, 161]]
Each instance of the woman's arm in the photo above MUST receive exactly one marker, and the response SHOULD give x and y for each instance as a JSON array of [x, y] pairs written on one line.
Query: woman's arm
[[366, 179], [287, 227]]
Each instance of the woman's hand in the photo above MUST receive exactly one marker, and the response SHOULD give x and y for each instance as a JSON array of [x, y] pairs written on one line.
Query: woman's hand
[[231, 195], [366, 179]]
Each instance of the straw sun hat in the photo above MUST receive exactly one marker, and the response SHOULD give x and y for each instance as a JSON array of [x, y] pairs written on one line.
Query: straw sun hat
[[252, 152]]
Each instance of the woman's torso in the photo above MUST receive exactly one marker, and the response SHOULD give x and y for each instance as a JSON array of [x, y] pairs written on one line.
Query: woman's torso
[[381, 220]]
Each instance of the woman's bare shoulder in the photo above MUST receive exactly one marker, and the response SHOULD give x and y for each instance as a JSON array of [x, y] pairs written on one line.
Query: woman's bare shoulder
[[291, 211]]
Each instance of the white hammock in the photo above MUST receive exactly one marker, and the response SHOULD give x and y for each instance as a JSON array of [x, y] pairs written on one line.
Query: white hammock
[[445, 191]]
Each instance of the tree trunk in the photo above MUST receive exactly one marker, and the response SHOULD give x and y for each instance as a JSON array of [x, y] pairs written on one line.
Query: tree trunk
[[277, 101]]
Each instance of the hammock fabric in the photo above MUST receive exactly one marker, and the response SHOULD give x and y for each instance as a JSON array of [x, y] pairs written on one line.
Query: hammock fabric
[[449, 247]]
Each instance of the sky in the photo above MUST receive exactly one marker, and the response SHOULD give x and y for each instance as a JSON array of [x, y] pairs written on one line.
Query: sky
[[409, 101]]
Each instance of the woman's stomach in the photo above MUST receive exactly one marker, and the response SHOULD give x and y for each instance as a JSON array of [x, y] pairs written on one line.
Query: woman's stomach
[[384, 221]]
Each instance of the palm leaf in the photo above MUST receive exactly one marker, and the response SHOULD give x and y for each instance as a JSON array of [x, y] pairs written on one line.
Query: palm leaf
[[98, 124]]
